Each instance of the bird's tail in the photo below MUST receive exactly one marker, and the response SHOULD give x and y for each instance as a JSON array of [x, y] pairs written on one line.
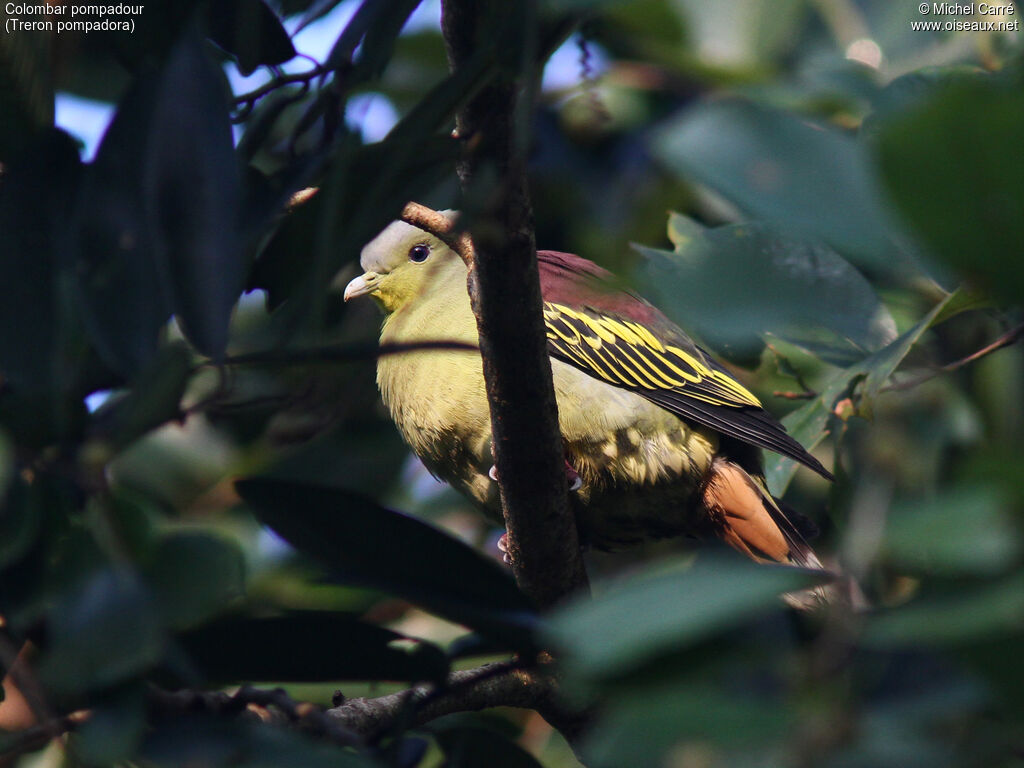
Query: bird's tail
[[747, 518]]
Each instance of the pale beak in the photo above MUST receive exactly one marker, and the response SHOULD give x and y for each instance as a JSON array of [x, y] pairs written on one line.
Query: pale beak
[[361, 285]]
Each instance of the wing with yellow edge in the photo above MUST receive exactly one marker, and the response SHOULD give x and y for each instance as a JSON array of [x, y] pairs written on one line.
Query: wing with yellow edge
[[662, 365]]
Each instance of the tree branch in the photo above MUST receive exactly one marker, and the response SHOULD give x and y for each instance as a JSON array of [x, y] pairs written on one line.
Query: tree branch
[[256, 702], [1006, 339], [504, 287], [441, 227], [502, 684]]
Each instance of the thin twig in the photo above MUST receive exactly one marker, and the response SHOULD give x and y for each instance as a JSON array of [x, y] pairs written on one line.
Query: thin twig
[[809, 394], [441, 227], [1010, 337], [305, 715], [35, 737], [247, 101], [501, 684]]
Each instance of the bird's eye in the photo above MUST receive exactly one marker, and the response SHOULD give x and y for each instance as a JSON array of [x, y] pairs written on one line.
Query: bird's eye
[[418, 253]]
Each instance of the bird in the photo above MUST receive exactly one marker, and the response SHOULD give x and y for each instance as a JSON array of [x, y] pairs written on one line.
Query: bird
[[660, 439]]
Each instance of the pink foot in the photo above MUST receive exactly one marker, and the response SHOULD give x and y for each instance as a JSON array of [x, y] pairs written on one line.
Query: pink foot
[[503, 548], [575, 482]]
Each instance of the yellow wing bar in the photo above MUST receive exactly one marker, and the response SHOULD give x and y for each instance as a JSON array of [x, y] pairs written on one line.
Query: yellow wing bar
[[627, 354]]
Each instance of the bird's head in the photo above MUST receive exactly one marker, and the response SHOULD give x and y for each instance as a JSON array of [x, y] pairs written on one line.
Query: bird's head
[[400, 264]]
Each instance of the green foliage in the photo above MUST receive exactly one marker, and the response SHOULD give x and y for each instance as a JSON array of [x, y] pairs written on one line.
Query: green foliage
[[847, 233], [954, 144], [734, 283]]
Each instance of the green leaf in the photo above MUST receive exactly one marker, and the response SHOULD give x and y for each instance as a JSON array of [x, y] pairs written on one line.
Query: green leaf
[[193, 184], [934, 536], [101, 633], [115, 727], [251, 32], [809, 179], [959, 146], [953, 617], [21, 517], [334, 647], [7, 466], [659, 614], [153, 399], [674, 713], [34, 201], [285, 264], [376, 24], [471, 746], [734, 283], [218, 742], [367, 545], [808, 426], [194, 576], [113, 247], [807, 423], [26, 90]]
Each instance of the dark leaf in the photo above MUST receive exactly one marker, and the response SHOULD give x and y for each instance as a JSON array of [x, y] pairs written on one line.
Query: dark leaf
[[805, 178], [807, 423], [124, 296], [731, 284], [114, 729], [673, 714], [101, 633], [195, 576], [957, 616], [249, 31], [193, 185], [957, 146], [662, 613], [932, 536], [186, 742], [316, 10], [468, 747], [376, 24], [21, 517], [152, 400], [310, 646], [26, 91], [367, 545], [290, 253], [35, 191]]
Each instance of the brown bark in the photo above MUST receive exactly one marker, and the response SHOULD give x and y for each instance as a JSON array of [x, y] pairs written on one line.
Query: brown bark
[[505, 290]]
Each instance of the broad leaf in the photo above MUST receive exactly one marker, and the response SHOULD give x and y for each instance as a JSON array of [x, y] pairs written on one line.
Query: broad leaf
[[194, 576], [251, 32], [101, 633], [806, 178], [153, 399], [334, 647], [604, 638], [367, 545], [35, 193], [963, 530], [193, 185], [124, 296], [26, 90], [679, 712], [807, 423], [731, 284], [220, 742], [956, 146], [955, 616]]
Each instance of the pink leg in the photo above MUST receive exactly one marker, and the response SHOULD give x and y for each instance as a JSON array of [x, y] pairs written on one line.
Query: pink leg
[[575, 482]]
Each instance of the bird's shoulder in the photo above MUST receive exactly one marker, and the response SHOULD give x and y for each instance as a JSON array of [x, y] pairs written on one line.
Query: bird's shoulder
[[614, 334]]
